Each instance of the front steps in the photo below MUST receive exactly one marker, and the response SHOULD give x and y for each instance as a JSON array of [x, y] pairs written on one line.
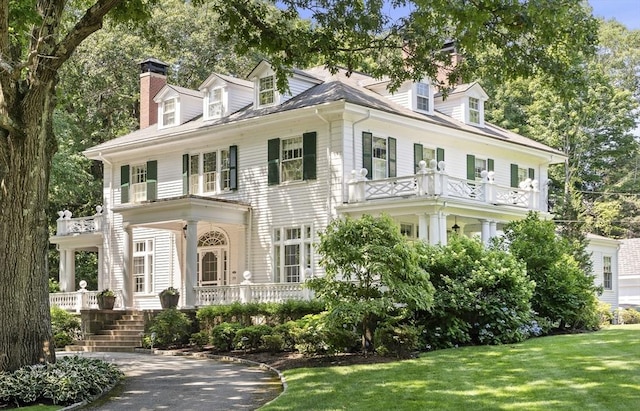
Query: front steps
[[114, 331]]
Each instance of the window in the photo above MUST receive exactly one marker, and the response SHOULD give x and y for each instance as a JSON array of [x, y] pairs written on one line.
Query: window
[[474, 110], [169, 112], [406, 229], [422, 97], [379, 155], [480, 166], [428, 154], [522, 174], [215, 103], [266, 91], [292, 253], [143, 266], [607, 273], [139, 182], [291, 159], [210, 172]]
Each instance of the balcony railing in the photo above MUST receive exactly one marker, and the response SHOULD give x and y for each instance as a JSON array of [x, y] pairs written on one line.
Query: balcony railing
[[250, 292], [67, 225], [81, 300], [434, 181]]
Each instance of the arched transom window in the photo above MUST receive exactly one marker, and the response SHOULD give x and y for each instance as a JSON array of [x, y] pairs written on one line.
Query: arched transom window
[[211, 239]]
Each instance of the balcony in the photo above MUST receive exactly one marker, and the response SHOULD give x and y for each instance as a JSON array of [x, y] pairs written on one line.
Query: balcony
[[433, 181], [66, 225]]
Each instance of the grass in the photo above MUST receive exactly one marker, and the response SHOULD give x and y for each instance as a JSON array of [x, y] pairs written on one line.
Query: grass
[[593, 371]]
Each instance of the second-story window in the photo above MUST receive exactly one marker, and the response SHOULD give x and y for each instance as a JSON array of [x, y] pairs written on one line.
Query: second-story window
[[169, 112], [266, 91], [210, 172], [480, 165], [422, 97], [215, 103], [474, 110], [291, 159], [379, 155], [139, 182]]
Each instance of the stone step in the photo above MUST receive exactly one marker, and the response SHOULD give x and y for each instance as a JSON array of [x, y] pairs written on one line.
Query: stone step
[[76, 348], [113, 338], [125, 327], [122, 333], [110, 343]]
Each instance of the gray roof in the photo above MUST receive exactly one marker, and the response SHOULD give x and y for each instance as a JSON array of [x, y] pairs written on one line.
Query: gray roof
[[629, 257], [338, 87]]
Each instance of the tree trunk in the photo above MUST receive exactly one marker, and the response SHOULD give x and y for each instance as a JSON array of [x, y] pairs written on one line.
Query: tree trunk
[[25, 160]]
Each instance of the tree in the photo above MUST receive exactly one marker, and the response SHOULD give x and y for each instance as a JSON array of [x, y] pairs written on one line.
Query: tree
[[370, 270], [565, 294], [37, 37]]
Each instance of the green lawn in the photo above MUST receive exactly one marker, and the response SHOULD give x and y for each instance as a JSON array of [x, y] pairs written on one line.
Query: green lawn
[[593, 371]]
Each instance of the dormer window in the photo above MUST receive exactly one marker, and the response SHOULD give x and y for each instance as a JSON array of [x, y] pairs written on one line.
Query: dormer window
[[266, 91], [215, 103], [474, 110], [169, 112], [422, 97]]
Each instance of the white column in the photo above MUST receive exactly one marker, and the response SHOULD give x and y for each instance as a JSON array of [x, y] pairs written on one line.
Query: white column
[[493, 229], [485, 232], [70, 274], [423, 227], [127, 273], [434, 233], [442, 220], [191, 277], [101, 280], [62, 266]]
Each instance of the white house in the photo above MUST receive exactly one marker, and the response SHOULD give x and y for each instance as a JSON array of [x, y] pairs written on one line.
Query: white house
[[605, 256], [629, 279], [223, 190]]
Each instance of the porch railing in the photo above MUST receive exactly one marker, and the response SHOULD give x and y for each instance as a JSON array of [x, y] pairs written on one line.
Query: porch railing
[[434, 181], [81, 300], [245, 293], [66, 224]]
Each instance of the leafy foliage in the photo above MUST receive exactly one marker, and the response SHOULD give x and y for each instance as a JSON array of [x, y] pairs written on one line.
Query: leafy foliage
[[629, 316], [367, 280], [69, 380], [66, 327], [223, 335], [482, 295], [564, 294], [167, 329]]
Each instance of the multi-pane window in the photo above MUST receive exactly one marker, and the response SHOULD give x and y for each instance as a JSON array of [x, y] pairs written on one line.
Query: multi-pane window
[[379, 158], [428, 154], [169, 112], [143, 266], [215, 103], [480, 165], [266, 91], [474, 110], [607, 273], [292, 252], [406, 230], [523, 174], [291, 159], [422, 97], [209, 172], [139, 182]]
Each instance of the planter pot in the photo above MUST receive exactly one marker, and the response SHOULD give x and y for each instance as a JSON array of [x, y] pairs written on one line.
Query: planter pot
[[106, 302], [169, 300]]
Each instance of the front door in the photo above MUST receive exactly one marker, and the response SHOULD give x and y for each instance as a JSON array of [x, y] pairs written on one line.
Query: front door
[[212, 264]]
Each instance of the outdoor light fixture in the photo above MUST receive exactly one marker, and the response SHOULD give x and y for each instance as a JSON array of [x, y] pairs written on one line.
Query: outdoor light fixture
[[455, 227], [184, 231]]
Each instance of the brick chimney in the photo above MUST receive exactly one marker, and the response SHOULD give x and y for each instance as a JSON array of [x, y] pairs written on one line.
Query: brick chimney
[[455, 59], [153, 76]]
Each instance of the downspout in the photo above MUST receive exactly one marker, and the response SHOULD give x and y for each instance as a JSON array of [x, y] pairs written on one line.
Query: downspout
[[107, 222], [249, 265]]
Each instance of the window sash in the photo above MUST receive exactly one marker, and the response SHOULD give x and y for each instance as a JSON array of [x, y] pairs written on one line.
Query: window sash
[[267, 91], [422, 97], [480, 165], [169, 112], [379, 158], [474, 110], [292, 252], [142, 266], [225, 170], [215, 103], [291, 159]]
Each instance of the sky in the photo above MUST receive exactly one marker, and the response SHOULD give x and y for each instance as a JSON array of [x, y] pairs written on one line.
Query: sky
[[626, 12]]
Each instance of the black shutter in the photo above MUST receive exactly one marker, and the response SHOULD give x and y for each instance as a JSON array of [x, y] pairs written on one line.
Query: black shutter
[[124, 184], [273, 165], [309, 156], [532, 173], [367, 152], [490, 165], [391, 162], [185, 174], [152, 180], [440, 154], [471, 167], [418, 154], [233, 167], [514, 175]]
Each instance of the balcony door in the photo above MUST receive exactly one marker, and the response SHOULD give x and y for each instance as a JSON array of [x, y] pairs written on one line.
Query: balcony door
[[213, 259]]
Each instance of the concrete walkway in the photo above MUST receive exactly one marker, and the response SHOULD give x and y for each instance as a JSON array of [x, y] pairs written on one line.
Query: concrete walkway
[[160, 382]]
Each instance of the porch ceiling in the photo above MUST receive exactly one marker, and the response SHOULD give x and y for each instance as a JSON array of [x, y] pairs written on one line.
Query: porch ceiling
[[78, 241], [169, 213]]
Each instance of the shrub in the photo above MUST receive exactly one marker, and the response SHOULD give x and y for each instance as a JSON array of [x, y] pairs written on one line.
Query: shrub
[[66, 327], [605, 315], [171, 327], [309, 335], [286, 331], [223, 334], [250, 338], [69, 380], [273, 343], [396, 340], [629, 316], [201, 338], [482, 295]]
